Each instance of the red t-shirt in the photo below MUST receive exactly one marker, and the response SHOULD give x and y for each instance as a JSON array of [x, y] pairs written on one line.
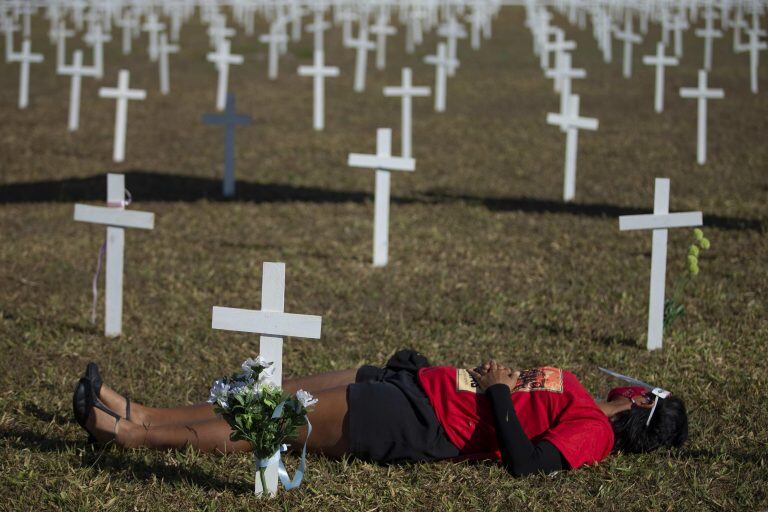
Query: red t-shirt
[[551, 405]]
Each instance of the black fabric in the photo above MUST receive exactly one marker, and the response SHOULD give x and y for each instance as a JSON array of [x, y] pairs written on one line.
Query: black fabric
[[519, 455], [390, 416]]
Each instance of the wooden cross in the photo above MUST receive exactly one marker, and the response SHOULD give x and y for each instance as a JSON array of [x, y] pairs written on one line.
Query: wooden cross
[[76, 71], [275, 37], [163, 50], [363, 46], [223, 58], [383, 162], [153, 27], [406, 91], [629, 37], [116, 218], [570, 123], [452, 30], [565, 73], [60, 33], [660, 222], [25, 58], [318, 27], [96, 38], [122, 94], [702, 94], [442, 64], [382, 29], [319, 71], [659, 60], [230, 119], [272, 324], [708, 33]]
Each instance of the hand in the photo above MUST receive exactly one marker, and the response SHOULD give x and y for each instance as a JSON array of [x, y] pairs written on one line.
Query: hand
[[495, 374], [483, 368]]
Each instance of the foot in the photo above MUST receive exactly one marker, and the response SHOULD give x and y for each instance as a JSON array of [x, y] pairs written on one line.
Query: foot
[[117, 403], [102, 426], [105, 429]]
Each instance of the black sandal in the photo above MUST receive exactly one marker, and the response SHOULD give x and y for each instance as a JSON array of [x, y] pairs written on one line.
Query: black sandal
[[80, 401], [93, 401], [92, 373]]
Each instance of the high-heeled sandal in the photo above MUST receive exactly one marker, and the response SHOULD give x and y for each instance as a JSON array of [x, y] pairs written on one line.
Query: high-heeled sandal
[[80, 402], [94, 402], [92, 373]]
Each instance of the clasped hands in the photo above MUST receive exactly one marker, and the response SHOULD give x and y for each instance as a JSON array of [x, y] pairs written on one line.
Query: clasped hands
[[493, 373]]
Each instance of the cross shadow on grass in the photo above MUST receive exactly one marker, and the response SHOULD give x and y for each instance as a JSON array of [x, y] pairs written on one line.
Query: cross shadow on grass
[[154, 186]]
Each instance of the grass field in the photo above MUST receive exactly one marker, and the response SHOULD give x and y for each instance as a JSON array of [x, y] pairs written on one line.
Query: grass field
[[485, 260]]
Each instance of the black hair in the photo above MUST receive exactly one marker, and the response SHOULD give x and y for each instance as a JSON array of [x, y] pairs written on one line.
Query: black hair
[[669, 427]]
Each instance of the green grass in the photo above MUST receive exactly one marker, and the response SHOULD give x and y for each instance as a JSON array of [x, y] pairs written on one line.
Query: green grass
[[485, 261]]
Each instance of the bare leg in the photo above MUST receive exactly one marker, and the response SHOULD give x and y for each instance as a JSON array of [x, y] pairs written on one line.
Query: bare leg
[[329, 435], [187, 415]]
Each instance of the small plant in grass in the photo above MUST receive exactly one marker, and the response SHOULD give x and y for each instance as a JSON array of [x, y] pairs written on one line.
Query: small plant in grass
[[673, 306]]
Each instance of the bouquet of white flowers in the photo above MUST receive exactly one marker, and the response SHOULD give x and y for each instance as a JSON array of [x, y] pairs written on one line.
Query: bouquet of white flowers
[[264, 415]]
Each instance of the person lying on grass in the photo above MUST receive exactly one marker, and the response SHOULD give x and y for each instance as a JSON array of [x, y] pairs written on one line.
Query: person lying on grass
[[534, 420]]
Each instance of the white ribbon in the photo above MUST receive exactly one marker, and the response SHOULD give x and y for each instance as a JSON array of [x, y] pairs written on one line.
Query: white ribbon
[[288, 482]]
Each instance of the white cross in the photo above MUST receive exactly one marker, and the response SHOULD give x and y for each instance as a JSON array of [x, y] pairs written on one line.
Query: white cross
[[222, 58], [128, 23], [96, 38], [678, 25], [25, 58], [442, 64], [755, 46], [122, 94], [319, 71], [383, 162], [154, 27], [318, 28], [660, 222], [406, 91], [659, 60], [452, 31], [629, 38], [76, 71], [478, 20], [163, 50], [116, 218], [9, 28], [381, 30], [272, 324], [346, 17], [559, 46], [571, 123], [60, 33], [702, 94], [218, 32], [275, 37], [708, 33], [296, 11], [363, 46], [566, 74]]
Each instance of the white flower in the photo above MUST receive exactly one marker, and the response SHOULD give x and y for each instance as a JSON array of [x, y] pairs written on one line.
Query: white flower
[[306, 399], [266, 374], [250, 363], [219, 393]]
